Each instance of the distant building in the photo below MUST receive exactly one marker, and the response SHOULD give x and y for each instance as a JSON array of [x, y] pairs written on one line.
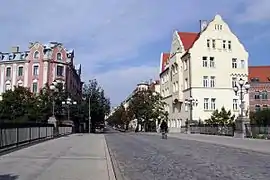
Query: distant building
[[40, 64], [259, 79]]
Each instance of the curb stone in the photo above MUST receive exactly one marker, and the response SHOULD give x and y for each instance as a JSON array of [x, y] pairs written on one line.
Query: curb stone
[[115, 166], [110, 169]]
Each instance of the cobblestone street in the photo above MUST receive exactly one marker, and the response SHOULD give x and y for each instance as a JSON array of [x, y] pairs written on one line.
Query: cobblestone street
[[148, 157]]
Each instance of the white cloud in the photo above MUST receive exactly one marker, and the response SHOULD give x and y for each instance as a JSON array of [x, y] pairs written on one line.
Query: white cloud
[[256, 11], [119, 83], [105, 31]]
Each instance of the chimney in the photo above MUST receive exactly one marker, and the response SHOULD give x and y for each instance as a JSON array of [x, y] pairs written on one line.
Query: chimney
[[203, 24], [15, 49]]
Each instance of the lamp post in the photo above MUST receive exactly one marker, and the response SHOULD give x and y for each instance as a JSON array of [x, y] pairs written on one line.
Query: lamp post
[[53, 88], [190, 102], [89, 112], [240, 90], [69, 102]]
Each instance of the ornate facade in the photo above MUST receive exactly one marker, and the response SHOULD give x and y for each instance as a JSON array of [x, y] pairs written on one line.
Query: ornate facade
[[40, 64]]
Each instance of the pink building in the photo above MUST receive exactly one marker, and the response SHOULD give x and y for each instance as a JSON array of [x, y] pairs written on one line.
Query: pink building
[[40, 64]]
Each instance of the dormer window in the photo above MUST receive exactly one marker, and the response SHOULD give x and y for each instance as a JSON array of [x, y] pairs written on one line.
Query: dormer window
[[254, 79], [36, 55], [59, 56]]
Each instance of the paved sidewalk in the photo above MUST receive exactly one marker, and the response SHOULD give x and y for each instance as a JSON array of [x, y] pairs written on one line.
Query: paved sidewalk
[[75, 157], [249, 144]]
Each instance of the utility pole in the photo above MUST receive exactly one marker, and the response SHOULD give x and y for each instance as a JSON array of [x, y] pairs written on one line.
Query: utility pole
[[89, 113]]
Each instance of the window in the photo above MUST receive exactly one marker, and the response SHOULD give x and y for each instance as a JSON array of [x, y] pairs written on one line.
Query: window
[[213, 103], [212, 81], [186, 83], [224, 44], [257, 95], [212, 62], [257, 108], [229, 45], [242, 64], [8, 72], [36, 55], [59, 56], [208, 43], [234, 63], [185, 64], [205, 81], [35, 70], [34, 87], [206, 103], [234, 82], [264, 95], [20, 84], [60, 70], [204, 59], [214, 43], [186, 107], [8, 87], [235, 104], [20, 71]]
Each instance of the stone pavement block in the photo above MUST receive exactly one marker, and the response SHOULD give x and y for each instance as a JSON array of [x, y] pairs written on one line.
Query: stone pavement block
[[248, 144], [76, 157]]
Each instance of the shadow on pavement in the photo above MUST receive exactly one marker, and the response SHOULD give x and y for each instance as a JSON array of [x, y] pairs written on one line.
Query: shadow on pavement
[[8, 177]]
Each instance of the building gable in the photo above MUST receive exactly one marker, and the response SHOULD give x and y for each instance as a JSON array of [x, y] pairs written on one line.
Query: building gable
[[219, 30]]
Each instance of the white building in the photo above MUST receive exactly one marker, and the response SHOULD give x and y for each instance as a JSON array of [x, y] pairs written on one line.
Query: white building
[[203, 66]]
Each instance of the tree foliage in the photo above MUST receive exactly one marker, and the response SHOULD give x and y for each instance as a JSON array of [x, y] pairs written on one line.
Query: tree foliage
[[221, 118], [99, 104], [145, 106], [20, 105], [260, 118]]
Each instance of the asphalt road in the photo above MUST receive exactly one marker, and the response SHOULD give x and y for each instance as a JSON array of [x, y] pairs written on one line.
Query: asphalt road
[[148, 157]]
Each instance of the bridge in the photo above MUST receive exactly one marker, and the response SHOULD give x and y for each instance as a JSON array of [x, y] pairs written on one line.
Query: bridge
[[116, 155]]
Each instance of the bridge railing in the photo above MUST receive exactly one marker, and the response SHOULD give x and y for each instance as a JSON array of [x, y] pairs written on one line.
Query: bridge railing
[[11, 136], [210, 130]]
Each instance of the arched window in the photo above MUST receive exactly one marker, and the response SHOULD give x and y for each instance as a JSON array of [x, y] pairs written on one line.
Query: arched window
[[59, 56], [36, 55], [257, 107]]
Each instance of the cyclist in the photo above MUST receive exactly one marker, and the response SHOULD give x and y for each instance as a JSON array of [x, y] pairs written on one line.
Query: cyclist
[[164, 128]]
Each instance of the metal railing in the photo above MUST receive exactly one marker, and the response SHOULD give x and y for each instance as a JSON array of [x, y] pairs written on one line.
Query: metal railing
[[260, 132], [10, 137], [210, 130]]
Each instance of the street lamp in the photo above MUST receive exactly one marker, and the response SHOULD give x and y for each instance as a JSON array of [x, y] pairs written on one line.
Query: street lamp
[[241, 121], [89, 112], [242, 89], [68, 102], [190, 102], [53, 88]]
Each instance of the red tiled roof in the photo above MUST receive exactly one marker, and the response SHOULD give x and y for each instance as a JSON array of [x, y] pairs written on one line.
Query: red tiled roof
[[165, 58], [188, 39], [261, 72]]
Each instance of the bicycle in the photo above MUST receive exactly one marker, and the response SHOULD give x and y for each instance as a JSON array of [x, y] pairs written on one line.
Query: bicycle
[[164, 135]]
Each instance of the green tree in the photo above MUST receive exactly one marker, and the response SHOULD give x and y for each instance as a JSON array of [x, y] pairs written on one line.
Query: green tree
[[19, 105], [100, 105], [221, 118], [260, 118], [147, 107]]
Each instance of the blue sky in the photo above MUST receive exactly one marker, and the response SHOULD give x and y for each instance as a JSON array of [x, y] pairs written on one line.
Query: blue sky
[[119, 42]]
